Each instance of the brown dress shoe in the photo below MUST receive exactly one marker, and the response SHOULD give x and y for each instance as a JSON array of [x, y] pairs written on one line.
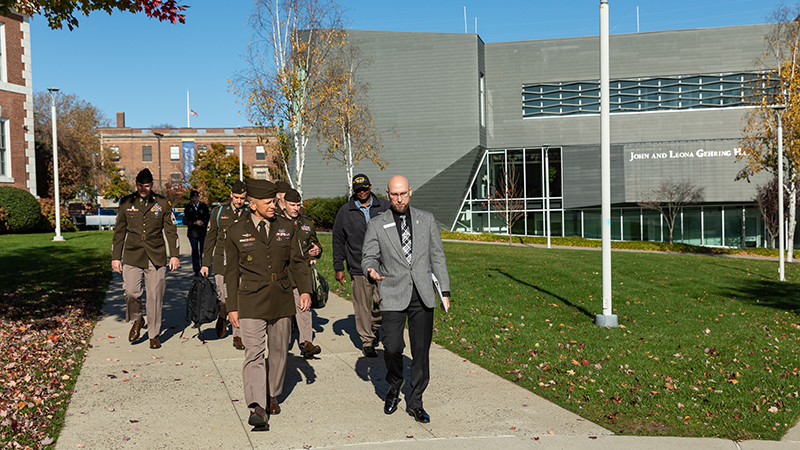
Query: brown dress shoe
[[259, 418], [309, 350], [274, 407], [155, 343], [135, 330], [237, 342]]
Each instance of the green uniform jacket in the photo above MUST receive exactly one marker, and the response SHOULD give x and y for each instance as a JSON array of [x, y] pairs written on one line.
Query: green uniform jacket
[[222, 217], [307, 235], [138, 231], [256, 276]]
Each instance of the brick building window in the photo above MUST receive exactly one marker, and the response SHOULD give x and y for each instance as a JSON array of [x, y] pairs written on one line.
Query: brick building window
[[261, 175], [228, 149], [175, 177], [201, 149], [5, 169], [260, 153], [174, 153], [114, 153], [147, 153]]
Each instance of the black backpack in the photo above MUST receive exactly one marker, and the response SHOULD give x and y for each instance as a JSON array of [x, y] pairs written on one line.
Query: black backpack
[[202, 305], [319, 292]]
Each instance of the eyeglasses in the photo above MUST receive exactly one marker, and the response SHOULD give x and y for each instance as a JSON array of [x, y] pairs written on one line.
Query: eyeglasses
[[398, 194]]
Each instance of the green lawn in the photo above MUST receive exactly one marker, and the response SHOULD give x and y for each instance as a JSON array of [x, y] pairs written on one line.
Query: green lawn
[[51, 296]]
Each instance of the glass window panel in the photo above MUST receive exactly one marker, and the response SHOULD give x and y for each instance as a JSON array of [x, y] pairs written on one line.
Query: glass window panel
[[534, 204], [592, 224], [631, 225], [462, 222], [556, 204], [147, 153], [480, 223], [651, 222], [616, 232], [480, 187], [734, 226], [533, 173], [572, 223], [496, 172], [480, 205], [753, 227], [712, 224], [174, 153], [554, 156], [692, 227], [555, 223], [518, 227], [535, 224]]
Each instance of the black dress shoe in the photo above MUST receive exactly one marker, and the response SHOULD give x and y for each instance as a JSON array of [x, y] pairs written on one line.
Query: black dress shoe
[[392, 400], [258, 418], [419, 415], [369, 352]]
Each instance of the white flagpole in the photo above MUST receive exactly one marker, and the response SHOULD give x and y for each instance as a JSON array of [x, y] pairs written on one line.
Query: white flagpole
[[188, 114]]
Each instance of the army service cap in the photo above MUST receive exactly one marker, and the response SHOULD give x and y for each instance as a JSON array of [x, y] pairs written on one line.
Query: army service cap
[[261, 189], [283, 187], [144, 177], [292, 196], [239, 187]]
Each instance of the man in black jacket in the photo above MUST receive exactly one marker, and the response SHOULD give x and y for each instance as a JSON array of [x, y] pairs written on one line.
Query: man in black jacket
[[348, 237], [195, 216]]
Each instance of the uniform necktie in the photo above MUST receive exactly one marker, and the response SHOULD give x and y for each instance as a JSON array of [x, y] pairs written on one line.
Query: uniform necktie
[[406, 240], [262, 229]]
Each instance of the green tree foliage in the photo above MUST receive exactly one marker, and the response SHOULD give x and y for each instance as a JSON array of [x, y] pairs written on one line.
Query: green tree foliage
[[59, 12], [80, 158], [117, 185], [323, 210], [21, 210], [215, 172]]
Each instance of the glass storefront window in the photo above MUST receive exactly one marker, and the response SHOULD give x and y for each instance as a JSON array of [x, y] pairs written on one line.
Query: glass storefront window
[[572, 223], [554, 156], [753, 227], [712, 225], [533, 173], [592, 224], [692, 227], [480, 223], [734, 232], [555, 223], [535, 224], [651, 224], [631, 228]]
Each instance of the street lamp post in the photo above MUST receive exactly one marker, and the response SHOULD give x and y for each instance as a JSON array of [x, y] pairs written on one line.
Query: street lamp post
[[241, 173], [781, 274], [53, 118], [159, 136]]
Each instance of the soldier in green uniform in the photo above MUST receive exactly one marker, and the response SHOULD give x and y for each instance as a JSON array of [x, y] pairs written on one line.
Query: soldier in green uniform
[[222, 217], [144, 230], [312, 250], [262, 249], [283, 188]]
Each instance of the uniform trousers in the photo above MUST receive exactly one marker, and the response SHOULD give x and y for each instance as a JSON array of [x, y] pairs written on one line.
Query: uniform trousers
[[304, 326], [420, 332], [366, 308], [154, 284], [219, 282], [259, 375]]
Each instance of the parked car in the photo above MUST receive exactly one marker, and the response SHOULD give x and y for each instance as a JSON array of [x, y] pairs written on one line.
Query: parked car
[[179, 217]]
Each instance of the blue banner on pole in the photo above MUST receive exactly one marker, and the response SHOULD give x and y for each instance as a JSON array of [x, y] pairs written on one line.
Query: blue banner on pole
[[188, 160]]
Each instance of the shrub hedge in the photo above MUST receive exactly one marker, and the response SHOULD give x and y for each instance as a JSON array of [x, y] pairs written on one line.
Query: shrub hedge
[[323, 210], [49, 216], [22, 211]]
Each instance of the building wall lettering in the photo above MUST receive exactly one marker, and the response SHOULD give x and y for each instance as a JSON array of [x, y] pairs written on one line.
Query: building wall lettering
[[700, 153]]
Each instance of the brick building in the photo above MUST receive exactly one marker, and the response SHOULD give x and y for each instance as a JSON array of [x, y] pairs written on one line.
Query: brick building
[[17, 152], [138, 148]]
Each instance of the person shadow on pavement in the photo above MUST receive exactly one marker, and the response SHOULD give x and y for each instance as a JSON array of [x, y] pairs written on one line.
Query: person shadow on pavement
[[373, 370], [298, 371], [348, 325]]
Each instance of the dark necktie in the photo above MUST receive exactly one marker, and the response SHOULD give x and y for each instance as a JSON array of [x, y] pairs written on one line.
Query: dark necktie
[[406, 238], [262, 229]]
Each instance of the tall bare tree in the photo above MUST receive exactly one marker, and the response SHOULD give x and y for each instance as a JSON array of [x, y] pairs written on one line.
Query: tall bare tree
[[767, 201], [285, 82], [780, 64], [508, 199], [346, 126], [669, 198]]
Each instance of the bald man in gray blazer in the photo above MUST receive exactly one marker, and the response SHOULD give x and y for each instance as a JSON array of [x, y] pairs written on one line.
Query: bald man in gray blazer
[[401, 251]]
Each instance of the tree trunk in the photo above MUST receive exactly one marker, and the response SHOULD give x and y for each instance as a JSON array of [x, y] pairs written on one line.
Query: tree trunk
[[792, 190]]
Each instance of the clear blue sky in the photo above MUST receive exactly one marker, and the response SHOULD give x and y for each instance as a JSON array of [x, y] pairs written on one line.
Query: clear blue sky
[[130, 63]]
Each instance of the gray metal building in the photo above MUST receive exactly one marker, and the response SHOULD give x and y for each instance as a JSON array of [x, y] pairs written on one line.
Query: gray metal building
[[466, 113]]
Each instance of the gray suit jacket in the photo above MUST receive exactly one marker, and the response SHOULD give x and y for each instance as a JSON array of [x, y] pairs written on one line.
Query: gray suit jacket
[[383, 253]]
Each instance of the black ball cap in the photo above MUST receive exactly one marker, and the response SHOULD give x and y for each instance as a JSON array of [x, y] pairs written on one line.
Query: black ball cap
[[144, 177]]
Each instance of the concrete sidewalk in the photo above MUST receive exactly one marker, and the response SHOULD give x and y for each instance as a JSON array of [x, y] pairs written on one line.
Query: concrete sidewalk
[[188, 394]]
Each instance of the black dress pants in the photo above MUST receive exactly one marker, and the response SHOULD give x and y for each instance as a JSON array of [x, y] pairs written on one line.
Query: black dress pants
[[420, 330]]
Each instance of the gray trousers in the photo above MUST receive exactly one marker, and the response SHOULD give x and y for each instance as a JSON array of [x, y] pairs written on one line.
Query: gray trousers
[[154, 284], [259, 375], [366, 308]]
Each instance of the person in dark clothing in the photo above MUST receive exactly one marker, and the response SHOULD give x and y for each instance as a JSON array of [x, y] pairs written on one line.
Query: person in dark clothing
[[195, 216], [348, 236]]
